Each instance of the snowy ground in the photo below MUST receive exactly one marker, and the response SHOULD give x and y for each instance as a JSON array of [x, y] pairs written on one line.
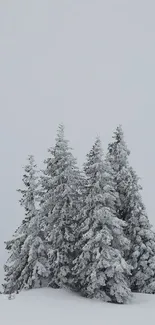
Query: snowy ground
[[56, 307]]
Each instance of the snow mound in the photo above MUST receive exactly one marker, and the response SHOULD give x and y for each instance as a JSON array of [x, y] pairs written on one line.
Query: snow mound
[[58, 307]]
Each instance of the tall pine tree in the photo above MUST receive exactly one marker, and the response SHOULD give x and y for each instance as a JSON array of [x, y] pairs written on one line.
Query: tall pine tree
[[100, 270], [62, 188], [140, 232], [27, 265], [132, 210]]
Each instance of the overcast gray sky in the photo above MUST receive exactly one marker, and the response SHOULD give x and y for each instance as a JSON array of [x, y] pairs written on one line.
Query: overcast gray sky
[[89, 64]]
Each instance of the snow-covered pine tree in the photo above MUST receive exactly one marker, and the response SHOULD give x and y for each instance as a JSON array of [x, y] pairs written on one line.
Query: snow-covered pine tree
[[27, 265], [100, 269], [140, 232], [62, 188], [118, 155], [131, 209]]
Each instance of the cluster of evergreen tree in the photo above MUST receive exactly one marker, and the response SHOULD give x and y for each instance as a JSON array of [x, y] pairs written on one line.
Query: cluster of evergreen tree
[[84, 230]]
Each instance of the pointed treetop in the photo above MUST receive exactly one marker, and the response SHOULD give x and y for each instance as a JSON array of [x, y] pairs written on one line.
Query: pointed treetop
[[30, 163], [96, 149], [60, 141], [61, 144], [30, 171], [31, 166], [98, 143], [119, 144], [60, 131], [94, 157], [31, 159], [119, 134]]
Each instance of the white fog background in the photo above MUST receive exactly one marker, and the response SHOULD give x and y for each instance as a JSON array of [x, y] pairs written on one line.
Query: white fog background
[[89, 64]]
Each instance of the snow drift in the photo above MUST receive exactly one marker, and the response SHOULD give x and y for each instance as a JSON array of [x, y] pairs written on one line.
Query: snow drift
[[58, 307]]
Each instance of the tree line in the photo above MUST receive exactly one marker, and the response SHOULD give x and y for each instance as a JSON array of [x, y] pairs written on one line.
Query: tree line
[[86, 230]]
